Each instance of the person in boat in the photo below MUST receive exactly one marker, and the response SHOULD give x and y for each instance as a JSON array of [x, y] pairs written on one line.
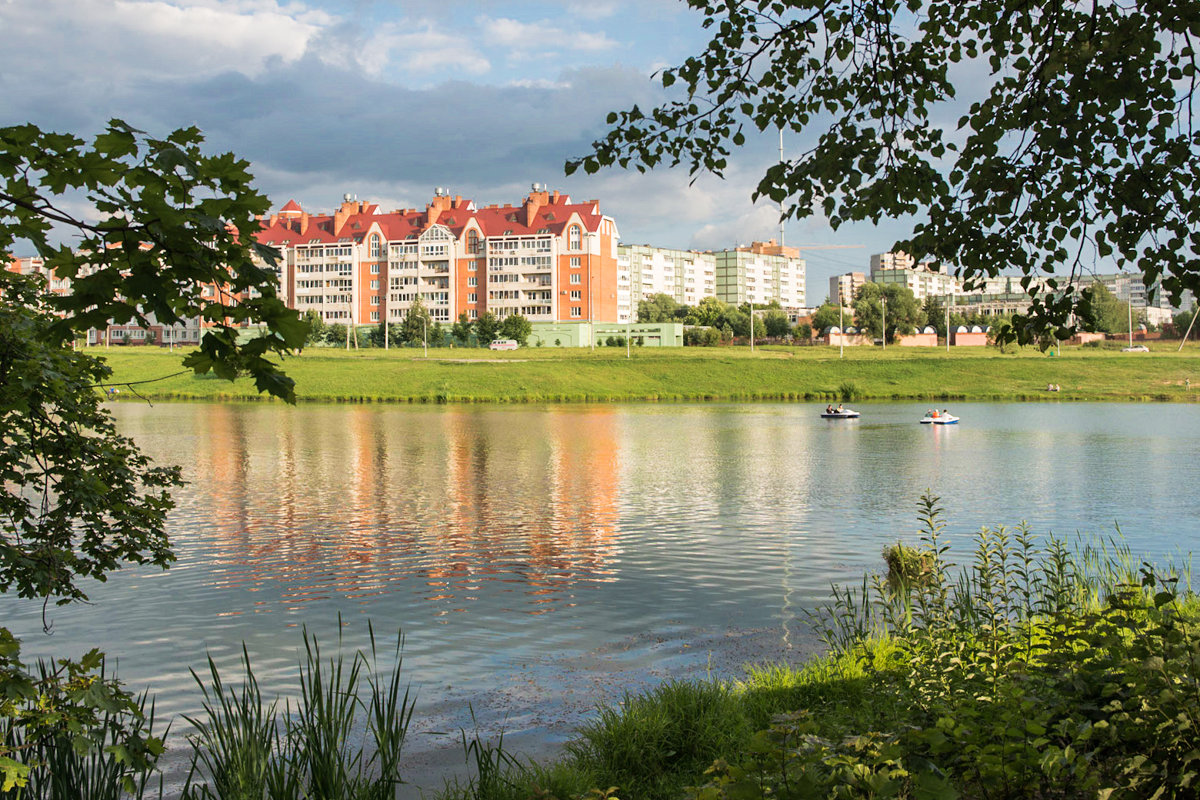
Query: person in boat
[[839, 408], [934, 413], [829, 408]]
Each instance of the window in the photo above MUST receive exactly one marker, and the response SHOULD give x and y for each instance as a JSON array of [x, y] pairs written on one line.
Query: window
[[374, 269], [474, 245], [573, 238], [576, 278], [472, 265], [575, 262], [374, 316], [472, 281], [472, 297], [375, 246], [474, 314], [375, 284], [374, 299], [576, 295], [576, 311]]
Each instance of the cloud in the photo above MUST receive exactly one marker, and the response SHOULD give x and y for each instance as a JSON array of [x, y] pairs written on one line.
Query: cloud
[[541, 37]]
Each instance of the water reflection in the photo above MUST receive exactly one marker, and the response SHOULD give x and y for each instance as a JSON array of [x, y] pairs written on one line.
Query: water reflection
[[354, 502]]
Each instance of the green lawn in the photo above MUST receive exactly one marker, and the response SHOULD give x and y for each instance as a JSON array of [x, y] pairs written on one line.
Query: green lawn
[[727, 373]]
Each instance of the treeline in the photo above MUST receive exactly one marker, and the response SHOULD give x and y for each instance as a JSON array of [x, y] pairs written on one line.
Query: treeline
[[419, 329]]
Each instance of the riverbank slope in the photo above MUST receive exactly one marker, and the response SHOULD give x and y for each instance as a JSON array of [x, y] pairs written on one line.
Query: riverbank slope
[[538, 375]]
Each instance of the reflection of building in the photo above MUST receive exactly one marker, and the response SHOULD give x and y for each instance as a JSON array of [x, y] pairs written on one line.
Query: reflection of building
[[760, 273], [546, 259], [359, 502]]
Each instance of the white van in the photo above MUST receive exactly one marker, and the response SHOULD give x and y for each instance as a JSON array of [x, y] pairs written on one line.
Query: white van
[[504, 344]]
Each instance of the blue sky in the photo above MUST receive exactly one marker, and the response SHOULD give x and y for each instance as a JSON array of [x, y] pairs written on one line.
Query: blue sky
[[387, 100]]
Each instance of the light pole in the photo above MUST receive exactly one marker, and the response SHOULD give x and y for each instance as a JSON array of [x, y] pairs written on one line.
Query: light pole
[[425, 334], [841, 330], [751, 325], [949, 299], [883, 299]]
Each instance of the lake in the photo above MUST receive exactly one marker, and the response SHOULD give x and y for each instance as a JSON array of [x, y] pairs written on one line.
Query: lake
[[540, 560]]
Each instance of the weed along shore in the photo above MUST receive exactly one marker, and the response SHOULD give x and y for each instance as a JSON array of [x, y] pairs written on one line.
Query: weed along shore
[[552, 375]]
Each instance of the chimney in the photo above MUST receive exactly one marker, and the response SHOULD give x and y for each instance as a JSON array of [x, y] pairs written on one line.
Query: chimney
[[303, 222], [274, 218]]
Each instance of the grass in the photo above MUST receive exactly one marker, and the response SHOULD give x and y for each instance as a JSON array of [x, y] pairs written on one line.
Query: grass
[[539, 375]]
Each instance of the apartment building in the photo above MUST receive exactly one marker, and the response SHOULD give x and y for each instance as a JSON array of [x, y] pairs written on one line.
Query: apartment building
[[761, 273], [548, 259], [686, 275], [842, 288], [922, 277]]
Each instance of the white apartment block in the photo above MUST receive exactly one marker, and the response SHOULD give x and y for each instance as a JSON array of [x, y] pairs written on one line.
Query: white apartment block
[[921, 277], [761, 273], [842, 288], [686, 275]]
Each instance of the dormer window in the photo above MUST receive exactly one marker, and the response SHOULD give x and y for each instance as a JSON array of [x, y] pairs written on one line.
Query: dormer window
[[375, 246], [543, 230]]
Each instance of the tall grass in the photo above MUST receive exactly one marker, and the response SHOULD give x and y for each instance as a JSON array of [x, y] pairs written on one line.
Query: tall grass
[[245, 748]]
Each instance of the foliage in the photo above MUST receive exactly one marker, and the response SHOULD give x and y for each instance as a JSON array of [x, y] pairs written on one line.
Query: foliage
[[517, 328], [417, 322], [461, 330], [175, 242], [1101, 311], [1073, 138], [828, 316], [660, 308], [317, 329], [177, 222], [487, 328], [333, 744], [902, 311], [775, 323], [701, 337], [337, 334], [933, 312]]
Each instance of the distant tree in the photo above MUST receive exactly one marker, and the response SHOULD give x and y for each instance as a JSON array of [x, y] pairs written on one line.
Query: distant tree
[[828, 316], [709, 312], [933, 312], [1100, 311], [335, 334], [317, 329], [803, 332], [1181, 321], [437, 335], [903, 312], [461, 330], [487, 328], [659, 308], [416, 323], [516, 327], [776, 323], [726, 331]]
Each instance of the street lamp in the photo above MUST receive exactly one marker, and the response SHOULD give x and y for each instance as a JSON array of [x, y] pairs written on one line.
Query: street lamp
[[883, 298]]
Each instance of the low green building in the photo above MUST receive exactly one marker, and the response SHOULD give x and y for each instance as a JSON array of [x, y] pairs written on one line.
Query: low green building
[[579, 334]]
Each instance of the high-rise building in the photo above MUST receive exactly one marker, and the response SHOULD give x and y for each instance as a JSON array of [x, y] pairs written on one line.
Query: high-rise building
[[548, 259], [686, 275], [842, 288], [761, 273], [923, 278]]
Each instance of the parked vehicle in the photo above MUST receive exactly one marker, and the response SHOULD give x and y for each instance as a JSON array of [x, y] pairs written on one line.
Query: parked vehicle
[[504, 344]]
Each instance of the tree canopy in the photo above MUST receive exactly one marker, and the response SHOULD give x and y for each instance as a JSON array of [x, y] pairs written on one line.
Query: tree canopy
[[1045, 136]]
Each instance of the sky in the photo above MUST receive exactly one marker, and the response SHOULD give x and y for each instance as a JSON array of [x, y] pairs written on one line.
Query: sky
[[388, 100]]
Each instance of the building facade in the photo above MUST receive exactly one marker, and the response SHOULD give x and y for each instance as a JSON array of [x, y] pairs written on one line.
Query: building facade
[[686, 275], [761, 273], [548, 259], [923, 278], [842, 288]]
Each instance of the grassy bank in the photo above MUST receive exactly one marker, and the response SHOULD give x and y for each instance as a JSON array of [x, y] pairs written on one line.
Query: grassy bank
[[776, 373]]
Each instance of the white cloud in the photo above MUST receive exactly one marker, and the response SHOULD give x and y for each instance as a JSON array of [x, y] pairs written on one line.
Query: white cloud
[[538, 37], [422, 49]]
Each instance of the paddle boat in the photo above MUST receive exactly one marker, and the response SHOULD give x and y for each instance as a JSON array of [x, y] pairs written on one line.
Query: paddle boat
[[840, 413], [945, 419]]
